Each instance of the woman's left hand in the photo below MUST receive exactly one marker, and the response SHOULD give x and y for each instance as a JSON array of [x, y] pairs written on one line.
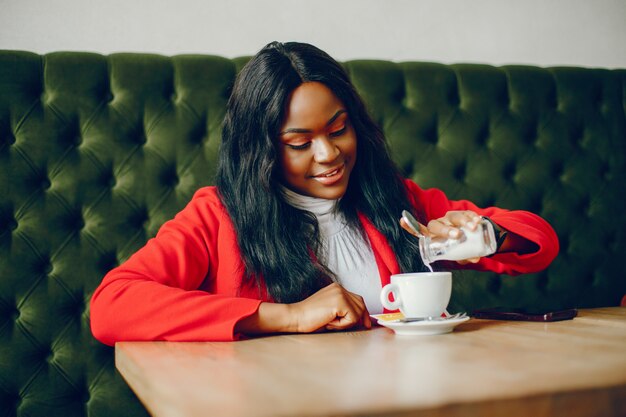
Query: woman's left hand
[[449, 226]]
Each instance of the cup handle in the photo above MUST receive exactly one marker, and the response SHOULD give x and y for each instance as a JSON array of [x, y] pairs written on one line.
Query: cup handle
[[384, 297]]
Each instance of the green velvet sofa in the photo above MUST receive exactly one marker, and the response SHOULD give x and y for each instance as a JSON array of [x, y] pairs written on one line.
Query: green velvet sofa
[[96, 152]]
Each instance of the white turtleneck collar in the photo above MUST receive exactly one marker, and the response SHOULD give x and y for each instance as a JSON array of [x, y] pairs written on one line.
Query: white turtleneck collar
[[330, 221], [304, 202]]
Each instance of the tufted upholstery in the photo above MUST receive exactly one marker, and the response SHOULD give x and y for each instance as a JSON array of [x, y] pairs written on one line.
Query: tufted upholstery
[[96, 152]]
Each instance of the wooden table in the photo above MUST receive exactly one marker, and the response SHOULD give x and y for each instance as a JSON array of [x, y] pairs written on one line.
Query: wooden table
[[569, 368]]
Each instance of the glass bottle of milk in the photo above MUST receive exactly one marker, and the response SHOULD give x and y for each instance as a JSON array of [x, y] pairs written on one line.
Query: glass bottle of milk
[[471, 244]]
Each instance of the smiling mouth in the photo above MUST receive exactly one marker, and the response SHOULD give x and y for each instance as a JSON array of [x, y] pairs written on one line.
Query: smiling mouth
[[332, 176], [330, 173]]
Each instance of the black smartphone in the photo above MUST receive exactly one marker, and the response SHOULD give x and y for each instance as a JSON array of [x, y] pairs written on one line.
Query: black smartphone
[[502, 313]]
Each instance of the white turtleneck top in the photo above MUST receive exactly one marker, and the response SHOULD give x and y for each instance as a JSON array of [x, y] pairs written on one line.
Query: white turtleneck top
[[346, 252]]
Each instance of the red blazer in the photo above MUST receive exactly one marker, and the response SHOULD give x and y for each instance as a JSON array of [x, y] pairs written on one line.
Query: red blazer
[[186, 284]]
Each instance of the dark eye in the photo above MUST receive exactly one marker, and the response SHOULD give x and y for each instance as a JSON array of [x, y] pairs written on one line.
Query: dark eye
[[300, 147], [338, 132]]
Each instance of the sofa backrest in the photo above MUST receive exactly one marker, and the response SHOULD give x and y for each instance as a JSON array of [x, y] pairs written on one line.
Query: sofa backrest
[[96, 152]]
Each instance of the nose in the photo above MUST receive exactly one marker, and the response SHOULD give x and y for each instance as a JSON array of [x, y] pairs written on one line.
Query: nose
[[324, 150]]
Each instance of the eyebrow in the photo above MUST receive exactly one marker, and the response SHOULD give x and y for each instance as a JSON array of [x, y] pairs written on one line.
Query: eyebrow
[[299, 130]]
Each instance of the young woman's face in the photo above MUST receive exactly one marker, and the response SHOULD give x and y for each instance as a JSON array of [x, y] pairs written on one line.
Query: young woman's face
[[317, 143]]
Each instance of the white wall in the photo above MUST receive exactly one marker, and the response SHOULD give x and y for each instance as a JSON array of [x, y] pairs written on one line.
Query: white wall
[[540, 32]]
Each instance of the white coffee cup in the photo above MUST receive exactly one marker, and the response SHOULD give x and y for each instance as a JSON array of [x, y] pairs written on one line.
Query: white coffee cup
[[418, 294]]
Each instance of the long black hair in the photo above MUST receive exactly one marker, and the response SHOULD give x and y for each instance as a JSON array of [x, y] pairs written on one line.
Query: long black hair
[[277, 241]]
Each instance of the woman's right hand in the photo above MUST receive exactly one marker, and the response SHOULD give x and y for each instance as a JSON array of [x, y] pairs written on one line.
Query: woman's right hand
[[331, 308]]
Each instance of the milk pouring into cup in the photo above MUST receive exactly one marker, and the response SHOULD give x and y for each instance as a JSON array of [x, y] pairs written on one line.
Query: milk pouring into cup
[[426, 294], [471, 244]]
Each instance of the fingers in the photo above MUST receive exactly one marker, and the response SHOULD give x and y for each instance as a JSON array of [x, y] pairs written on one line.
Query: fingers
[[359, 304], [331, 308], [406, 227], [468, 261], [467, 219], [450, 224], [442, 227], [422, 229], [352, 313]]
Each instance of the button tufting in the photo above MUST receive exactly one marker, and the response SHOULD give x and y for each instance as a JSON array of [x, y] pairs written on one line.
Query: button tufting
[[198, 139], [198, 134], [15, 314], [509, 172], [44, 266], [11, 139], [47, 355], [483, 135], [504, 99], [7, 223], [453, 97], [169, 177], [16, 399], [107, 262], [77, 223], [577, 134], [553, 102], [558, 171], [172, 180], [45, 184], [78, 307], [138, 219], [431, 135], [460, 172], [531, 135], [107, 179]]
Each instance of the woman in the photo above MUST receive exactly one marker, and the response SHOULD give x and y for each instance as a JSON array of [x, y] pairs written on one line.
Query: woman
[[301, 231]]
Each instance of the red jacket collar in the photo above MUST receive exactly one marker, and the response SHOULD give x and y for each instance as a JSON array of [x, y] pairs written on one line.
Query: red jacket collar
[[385, 258]]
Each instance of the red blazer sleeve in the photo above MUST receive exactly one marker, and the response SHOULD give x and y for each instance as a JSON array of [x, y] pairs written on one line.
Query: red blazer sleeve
[[433, 204], [156, 295]]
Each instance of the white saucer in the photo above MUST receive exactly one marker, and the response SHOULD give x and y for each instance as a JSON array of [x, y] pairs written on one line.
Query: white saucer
[[422, 328]]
